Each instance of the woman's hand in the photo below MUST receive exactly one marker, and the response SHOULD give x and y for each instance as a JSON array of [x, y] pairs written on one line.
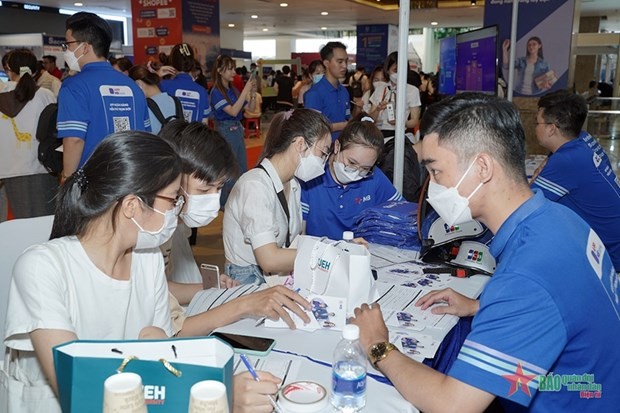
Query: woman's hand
[[165, 71], [250, 86], [250, 396], [360, 241], [506, 45], [458, 304], [227, 282], [273, 303], [152, 333]]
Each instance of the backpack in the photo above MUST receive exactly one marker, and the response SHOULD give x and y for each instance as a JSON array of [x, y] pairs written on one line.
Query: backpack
[[413, 173], [160, 116], [47, 135]]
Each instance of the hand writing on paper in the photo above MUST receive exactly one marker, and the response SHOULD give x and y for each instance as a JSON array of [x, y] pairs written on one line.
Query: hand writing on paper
[[372, 327], [250, 395], [273, 302], [458, 304]]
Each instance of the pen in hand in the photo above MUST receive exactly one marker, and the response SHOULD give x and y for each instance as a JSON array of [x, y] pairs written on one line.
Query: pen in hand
[[248, 365]]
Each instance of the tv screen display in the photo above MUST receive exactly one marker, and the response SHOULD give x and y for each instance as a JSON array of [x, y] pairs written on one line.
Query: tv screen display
[[476, 60], [447, 66]]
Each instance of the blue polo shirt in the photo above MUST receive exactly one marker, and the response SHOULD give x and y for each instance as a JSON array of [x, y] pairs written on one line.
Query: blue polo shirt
[[550, 313], [99, 101], [219, 102], [194, 98], [579, 175], [329, 208], [330, 101]]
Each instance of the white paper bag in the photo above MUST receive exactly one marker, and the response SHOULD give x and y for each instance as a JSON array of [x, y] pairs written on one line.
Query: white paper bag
[[336, 269]]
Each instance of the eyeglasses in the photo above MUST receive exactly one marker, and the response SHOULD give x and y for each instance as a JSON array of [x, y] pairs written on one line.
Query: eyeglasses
[[324, 154], [363, 171], [65, 45], [177, 203]]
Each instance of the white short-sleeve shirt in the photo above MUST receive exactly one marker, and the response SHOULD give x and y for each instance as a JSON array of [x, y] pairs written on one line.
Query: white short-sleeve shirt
[[254, 217], [387, 92]]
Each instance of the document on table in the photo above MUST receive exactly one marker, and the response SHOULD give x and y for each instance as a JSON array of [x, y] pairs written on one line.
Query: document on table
[[207, 299], [383, 255], [280, 365]]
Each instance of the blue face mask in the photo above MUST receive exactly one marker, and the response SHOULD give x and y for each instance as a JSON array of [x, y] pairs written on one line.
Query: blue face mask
[[317, 78]]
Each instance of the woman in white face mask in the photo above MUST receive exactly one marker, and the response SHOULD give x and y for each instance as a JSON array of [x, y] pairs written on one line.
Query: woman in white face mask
[[263, 213], [383, 100], [331, 203]]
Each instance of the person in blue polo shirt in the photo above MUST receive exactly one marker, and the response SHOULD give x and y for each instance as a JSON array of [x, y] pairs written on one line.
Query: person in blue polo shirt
[[97, 101], [332, 202], [328, 96], [194, 98], [546, 330], [578, 174]]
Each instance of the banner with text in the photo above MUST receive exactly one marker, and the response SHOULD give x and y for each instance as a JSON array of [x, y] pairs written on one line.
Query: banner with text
[[374, 43], [543, 46]]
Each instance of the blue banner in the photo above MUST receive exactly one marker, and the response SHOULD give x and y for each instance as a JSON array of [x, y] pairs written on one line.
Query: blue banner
[[544, 32], [372, 45]]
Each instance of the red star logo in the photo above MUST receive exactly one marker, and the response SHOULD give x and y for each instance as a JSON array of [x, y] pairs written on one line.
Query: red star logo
[[519, 380]]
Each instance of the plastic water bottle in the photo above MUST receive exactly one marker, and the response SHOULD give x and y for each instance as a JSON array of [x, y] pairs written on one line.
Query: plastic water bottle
[[347, 236], [349, 373]]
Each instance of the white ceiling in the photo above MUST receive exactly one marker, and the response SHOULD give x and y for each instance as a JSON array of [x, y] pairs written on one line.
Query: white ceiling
[[303, 17]]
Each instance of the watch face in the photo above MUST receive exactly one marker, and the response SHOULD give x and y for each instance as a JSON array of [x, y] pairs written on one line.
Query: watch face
[[377, 350]]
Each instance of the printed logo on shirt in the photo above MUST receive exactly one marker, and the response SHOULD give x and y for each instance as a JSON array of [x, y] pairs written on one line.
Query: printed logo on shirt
[[595, 251], [361, 199], [475, 256], [189, 94], [451, 229], [154, 394], [115, 91], [596, 159]]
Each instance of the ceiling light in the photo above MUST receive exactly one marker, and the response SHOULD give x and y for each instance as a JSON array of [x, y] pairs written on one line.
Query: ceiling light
[[254, 16], [231, 24], [473, 2], [323, 28], [265, 29], [433, 23], [324, 13], [78, 4], [283, 4]]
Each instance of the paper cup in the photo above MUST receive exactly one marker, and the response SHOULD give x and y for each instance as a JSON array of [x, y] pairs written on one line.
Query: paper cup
[[122, 393], [208, 396]]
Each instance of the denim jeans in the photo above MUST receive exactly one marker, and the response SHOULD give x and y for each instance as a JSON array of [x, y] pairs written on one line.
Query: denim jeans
[[250, 274]]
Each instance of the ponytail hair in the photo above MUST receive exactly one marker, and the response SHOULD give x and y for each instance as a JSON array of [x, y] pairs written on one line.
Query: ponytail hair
[[24, 63], [141, 72], [362, 131], [124, 163], [182, 57], [286, 126]]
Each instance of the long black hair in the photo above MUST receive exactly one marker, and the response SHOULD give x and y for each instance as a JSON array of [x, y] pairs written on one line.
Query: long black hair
[[20, 61], [124, 163]]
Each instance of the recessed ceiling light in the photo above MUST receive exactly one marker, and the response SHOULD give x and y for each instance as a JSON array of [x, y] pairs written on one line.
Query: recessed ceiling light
[[254, 16], [433, 23], [78, 4], [265, 29], [323, 28], [283, 4], [324, 13], [231, 24]]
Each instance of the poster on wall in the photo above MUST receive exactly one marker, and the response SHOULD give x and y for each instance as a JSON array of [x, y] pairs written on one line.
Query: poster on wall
[[374, 43], [201, 29], [156, 28], [543, 43]]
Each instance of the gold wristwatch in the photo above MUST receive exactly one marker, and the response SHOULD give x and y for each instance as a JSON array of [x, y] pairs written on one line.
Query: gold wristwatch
[[379, 351]]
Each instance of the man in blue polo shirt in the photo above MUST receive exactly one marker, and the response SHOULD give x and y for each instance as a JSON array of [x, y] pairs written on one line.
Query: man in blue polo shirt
[[97, 101], [546, 331], [328, 96], [578, 173]]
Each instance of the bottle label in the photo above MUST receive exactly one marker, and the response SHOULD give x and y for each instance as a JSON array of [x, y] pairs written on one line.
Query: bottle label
[[349, 386]]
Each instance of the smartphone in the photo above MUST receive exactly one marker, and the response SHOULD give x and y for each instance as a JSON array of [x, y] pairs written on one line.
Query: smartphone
[[253, 73], [257, 346], [210, 276]]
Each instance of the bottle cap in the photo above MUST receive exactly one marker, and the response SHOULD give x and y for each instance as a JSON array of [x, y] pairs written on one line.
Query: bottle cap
[[351, 332], [347, 235]]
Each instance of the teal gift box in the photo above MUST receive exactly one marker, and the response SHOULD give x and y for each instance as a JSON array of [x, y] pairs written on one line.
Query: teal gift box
[[169, 368]]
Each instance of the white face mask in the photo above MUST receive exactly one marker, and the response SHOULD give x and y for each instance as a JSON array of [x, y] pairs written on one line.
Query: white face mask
[[71, 60], [153, 239], [317, 78], [449, 204], [393, 77], [310, 167], [201, 209], [346, 174]]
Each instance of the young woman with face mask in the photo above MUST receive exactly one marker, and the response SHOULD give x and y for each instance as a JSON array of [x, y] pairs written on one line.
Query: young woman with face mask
[[314, 74], [383, 100], [263, 213], [331, 203]]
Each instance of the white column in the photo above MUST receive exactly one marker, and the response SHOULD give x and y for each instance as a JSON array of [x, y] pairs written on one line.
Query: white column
[[284, 47]]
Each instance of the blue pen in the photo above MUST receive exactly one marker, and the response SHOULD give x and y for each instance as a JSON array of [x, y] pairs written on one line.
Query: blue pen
[[248, 365]]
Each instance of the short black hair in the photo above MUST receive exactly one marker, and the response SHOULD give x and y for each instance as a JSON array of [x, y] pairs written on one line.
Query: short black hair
[[471, 123], [567, 111], [92, 29], [286, 69], [50, 57], [327, 52]]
